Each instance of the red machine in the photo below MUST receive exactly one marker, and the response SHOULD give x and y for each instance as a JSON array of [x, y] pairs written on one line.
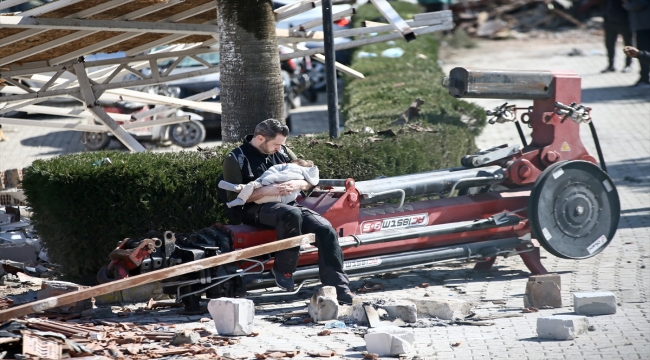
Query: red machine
[[510, 200]]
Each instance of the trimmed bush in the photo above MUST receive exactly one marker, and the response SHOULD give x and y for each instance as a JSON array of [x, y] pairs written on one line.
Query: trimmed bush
[[81, 211]]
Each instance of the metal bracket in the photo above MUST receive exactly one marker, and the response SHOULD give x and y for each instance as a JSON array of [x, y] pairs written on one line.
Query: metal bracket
[[490, 155]]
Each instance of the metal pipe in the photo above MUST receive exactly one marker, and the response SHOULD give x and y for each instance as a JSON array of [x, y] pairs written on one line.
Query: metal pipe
[[601, 158], [521, 134], [494, 221], [375, 264], [330, 69], [401, 202], [434, 182]]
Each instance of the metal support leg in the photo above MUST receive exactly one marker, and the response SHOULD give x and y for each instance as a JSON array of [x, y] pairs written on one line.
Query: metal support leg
[[533, 261], [90, 102]]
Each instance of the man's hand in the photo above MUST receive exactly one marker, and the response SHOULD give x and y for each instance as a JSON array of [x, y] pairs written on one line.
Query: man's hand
[[631, 51], [292, 186], [281, 189]]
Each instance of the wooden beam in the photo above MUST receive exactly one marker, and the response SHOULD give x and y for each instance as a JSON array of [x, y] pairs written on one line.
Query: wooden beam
[[290, 10], [319, 21], [23, 22], [154, 276], [55, 125], [394, 19], [366, 41]]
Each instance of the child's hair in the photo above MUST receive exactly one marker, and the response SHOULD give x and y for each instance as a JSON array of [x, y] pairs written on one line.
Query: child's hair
[[303, 162]]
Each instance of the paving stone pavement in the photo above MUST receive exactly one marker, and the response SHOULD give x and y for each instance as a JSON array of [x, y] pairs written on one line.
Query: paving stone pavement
[[622, 117]]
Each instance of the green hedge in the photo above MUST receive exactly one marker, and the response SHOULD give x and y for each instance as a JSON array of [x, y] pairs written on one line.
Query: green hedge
[[80, 210], [392, 84]]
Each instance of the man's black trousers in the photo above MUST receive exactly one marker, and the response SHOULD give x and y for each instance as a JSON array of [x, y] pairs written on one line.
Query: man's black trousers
[[293, 220], [612, 29]]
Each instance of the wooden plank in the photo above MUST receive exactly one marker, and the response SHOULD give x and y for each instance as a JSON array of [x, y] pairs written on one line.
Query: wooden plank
[[154, 276], [52, 124], [394, 19]]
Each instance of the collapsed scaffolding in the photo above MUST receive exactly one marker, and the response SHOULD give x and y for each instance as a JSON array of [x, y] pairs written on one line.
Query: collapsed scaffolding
[[40, 45]]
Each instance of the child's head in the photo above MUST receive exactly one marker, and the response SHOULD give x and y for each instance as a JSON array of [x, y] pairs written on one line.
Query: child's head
[[303, 162]]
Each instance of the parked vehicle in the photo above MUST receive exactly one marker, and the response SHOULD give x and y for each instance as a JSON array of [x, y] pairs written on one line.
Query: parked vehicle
[[317, 69]]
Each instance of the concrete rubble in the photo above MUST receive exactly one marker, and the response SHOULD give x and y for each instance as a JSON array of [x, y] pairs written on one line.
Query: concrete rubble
[[18, 242], [444, 309], [561, 327], [594, 303], [543, 291], [323, 304], [389, 340], [232, 316]]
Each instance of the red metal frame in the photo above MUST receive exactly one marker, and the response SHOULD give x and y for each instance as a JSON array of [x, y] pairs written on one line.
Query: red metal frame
[[554, 138]]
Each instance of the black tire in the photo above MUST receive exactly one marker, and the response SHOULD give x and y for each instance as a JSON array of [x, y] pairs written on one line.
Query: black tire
[[574, 209], [187, 134], [94, 141]]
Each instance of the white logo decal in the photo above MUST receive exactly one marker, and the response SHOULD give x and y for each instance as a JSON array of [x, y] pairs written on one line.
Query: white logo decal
[[597, 244], [361, 263], [395, 223]]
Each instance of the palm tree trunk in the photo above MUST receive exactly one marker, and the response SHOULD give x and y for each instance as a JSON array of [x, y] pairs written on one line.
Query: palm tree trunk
[[251, 85]]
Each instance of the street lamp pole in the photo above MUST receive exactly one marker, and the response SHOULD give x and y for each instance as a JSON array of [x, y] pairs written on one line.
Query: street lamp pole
[[330, 70]]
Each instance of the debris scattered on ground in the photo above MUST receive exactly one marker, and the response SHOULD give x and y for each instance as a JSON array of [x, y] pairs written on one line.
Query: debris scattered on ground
[[277, 354], [503, 19], [370, 287], [55, 340]]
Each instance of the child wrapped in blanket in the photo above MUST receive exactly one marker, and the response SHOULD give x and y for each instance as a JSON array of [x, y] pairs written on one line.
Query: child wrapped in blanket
[[298, 169]]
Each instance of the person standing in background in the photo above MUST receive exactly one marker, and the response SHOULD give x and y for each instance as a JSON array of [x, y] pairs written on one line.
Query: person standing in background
[[616, 22], [639, 13]]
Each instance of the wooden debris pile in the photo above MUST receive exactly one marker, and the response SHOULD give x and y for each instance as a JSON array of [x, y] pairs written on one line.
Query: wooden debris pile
[[497, 19], [38, 338]]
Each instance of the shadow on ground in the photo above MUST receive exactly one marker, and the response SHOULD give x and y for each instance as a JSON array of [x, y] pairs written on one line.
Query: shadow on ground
[[613, 93]]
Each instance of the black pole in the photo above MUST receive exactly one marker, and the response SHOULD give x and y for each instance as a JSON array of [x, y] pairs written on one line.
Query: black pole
[[330, 70]]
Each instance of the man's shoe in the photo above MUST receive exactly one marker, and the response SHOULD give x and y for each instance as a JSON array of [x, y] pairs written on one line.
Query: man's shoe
[[346, 297], [642, 83], [608, 69], [627, 69], [283, 281]]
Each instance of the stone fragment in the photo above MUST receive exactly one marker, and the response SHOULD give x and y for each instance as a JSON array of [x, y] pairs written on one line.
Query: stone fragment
[[543, 291], [98, 313], [359, 314], [561, 327], [323, 304], [389, 340], [232, 316], [401, 309], [185, 337], [55, 288], [444, 309], [594, 303]]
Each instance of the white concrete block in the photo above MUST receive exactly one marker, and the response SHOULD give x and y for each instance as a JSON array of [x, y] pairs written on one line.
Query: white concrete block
[[359, 314], [389, 340], [594, 303], [561, 327], [324, 305], [232, 316], [401, 309], [444, 309]]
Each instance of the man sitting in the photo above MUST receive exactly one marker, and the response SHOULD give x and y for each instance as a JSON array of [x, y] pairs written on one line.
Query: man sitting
[[298, 169], [260, 151]]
